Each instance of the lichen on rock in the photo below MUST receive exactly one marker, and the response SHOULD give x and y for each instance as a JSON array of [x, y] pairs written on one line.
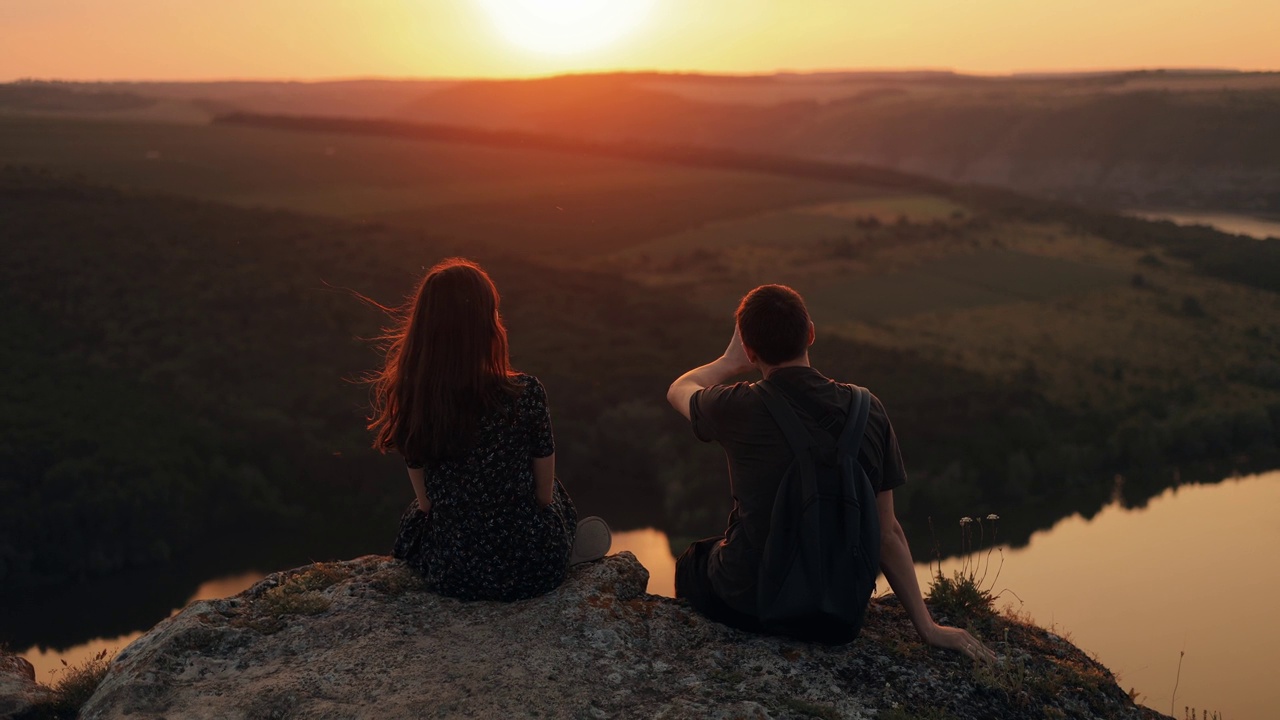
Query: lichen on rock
[[363, 638]]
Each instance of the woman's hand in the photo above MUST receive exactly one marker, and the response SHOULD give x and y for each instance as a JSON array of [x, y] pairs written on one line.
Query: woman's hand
[[950, 638]]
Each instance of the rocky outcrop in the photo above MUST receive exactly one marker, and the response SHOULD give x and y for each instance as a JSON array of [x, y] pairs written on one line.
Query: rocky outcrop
[[362, 638], [19, 692]]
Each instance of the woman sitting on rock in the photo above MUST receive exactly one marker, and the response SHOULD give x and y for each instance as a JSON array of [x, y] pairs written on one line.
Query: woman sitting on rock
[[490, 520]]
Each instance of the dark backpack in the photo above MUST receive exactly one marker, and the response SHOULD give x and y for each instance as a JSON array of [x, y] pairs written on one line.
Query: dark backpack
[[819, 564]]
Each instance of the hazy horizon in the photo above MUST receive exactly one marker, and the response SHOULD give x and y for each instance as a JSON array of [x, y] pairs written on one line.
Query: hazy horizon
[[818, 72], [83, 41]]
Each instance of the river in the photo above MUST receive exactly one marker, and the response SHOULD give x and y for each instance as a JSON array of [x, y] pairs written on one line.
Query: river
[[1236, 224], [1180, 593]]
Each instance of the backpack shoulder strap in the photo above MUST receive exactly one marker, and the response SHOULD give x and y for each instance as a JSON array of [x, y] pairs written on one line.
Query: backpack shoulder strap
[[856, 424], [797, 436], [828, 419]]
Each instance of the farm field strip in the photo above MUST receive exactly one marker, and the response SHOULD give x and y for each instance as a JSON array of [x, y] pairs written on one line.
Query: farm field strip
[[888, 209], [803, 223], [992, 277], [842, 293]]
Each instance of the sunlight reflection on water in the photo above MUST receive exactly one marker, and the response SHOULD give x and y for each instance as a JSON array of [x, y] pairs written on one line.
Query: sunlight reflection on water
[[1189, 572], [654, 552]]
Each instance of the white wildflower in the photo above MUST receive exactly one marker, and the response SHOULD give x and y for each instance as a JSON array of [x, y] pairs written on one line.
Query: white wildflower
[[966, 520], [993, 516]]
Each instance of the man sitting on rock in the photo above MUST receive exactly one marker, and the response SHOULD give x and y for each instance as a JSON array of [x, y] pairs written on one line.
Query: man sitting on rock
[[719, 575]]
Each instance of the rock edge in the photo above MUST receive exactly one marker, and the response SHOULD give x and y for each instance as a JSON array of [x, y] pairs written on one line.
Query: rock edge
[[363, 639]]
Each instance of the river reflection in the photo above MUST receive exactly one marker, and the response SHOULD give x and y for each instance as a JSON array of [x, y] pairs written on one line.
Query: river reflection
[[48, 662], [1190, 572]]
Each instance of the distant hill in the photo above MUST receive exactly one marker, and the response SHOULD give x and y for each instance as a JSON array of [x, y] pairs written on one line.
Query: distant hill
[[34, 97], [1167, 139], [1175, 139], [340, 98], [201, 101]]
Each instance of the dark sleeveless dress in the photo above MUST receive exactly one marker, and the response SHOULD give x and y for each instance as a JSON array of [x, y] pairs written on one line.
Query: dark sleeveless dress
[[486, 538]]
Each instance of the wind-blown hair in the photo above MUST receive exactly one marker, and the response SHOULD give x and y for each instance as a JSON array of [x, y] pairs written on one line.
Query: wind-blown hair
[[447, 362]]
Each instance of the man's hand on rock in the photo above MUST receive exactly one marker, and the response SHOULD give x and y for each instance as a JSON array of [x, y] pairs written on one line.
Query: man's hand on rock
[[950, 638]]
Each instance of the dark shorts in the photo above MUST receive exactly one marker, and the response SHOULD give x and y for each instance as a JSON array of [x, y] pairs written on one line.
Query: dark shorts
[[692, 584]]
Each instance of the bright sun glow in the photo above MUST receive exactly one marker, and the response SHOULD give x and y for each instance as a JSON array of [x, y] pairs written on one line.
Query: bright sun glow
[[565, 27]]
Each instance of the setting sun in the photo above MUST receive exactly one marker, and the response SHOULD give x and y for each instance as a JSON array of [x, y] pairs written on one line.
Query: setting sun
[[565, 27]]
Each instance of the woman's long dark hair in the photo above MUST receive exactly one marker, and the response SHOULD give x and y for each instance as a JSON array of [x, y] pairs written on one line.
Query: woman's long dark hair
[[447, 362]]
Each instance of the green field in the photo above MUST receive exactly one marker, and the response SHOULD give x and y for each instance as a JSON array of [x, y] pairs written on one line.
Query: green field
[[1098, 324], [919, 256], [978, 279]]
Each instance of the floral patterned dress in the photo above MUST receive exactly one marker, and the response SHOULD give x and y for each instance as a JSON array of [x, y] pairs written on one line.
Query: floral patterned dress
[[486, 538]]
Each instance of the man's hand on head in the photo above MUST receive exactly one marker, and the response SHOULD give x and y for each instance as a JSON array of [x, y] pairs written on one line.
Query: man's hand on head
[[734, 361]]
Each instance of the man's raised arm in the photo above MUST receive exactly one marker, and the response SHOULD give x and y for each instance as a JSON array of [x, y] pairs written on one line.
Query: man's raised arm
[[733, 362]]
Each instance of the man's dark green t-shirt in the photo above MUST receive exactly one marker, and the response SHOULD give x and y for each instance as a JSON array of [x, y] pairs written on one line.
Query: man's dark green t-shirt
[[735, 417]]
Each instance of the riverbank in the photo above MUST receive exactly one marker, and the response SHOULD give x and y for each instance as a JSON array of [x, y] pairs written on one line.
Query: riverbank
[[1259, 227], [361, 638]]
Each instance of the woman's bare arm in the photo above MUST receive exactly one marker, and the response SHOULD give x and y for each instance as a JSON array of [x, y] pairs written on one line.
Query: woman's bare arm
[[544, 479], [417, 478]]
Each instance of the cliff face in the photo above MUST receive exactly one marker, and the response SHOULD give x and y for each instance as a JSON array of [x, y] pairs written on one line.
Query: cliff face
[[361, 638]]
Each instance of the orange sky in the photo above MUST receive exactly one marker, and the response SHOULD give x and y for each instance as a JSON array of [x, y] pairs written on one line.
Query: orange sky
[[211, 39]]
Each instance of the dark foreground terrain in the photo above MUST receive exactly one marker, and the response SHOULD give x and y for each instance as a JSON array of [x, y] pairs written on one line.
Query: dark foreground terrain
[[360, 638]]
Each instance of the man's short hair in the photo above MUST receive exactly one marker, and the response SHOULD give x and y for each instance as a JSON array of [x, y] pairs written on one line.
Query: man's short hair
[[774, 323]]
